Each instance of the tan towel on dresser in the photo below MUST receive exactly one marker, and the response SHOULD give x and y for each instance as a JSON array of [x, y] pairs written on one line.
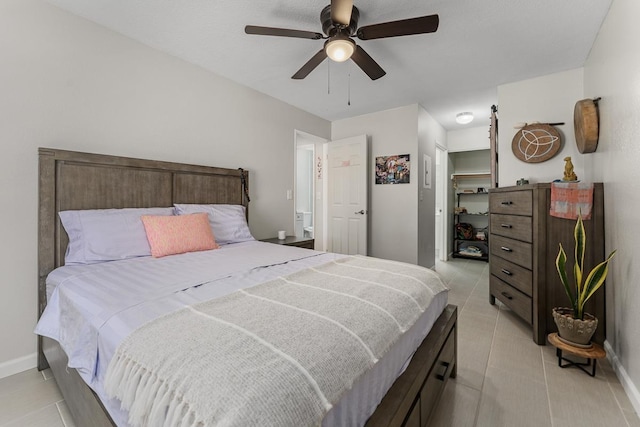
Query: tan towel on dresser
[[568, 199]]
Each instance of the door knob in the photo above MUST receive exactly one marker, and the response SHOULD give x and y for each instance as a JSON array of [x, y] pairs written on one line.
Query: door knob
[[361, 212]]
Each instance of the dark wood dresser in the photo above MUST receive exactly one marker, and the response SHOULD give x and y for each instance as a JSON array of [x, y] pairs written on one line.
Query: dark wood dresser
[[523, 246]]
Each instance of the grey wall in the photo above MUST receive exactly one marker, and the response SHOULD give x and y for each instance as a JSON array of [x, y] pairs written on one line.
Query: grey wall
[[402, 216], [393, 213], [68, 83], [546, 99], [466, 139], [612, 72]]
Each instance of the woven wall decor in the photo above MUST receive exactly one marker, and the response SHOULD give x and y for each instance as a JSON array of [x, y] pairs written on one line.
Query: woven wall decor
[[536, 143]]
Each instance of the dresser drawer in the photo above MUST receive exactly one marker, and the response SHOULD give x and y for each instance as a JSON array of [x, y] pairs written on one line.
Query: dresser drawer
[[516, 276], [512, 202], [511, 250], [513, 226], [512, 298]]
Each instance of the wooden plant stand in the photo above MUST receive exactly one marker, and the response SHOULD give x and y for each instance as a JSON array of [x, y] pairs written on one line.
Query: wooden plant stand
[[592, 354]]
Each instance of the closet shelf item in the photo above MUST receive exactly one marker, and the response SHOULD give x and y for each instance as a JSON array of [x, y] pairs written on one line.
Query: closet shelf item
[[467, 226]]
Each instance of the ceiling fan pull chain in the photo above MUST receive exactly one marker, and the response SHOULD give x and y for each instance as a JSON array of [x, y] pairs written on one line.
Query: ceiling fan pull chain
[[349, 87]]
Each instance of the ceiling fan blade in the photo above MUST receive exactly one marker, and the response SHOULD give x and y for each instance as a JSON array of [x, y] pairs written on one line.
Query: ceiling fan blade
[[368, 65], [310, 65], [341, 11], [404, 27], [283, 32]]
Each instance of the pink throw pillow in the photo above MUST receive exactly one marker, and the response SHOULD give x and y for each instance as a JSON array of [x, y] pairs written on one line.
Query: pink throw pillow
[[169, 235]]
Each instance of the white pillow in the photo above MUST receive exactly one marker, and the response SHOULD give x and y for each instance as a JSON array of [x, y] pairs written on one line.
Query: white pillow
[[228, 222], [100, 235]]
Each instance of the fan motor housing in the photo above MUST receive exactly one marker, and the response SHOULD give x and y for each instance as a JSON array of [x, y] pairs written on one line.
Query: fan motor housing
[[331, 29]]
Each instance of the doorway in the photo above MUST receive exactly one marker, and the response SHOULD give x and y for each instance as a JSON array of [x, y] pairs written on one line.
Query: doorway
[[307, 195]]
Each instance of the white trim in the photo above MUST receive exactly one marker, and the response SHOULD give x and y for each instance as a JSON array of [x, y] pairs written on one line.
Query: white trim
[[443, 187], [629, 387], [15, 366]]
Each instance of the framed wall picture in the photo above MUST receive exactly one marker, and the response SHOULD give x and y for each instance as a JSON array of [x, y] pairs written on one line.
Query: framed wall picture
[[393, 169], [427, 172]]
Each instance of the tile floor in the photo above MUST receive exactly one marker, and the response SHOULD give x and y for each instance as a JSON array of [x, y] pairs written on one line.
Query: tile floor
[[504, 379]]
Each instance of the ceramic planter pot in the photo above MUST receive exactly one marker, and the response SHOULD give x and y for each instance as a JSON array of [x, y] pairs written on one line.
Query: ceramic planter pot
[[574, 331]]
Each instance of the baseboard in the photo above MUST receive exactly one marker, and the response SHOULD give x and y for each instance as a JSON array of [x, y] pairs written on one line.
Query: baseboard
[[628, 385], [14, 366]]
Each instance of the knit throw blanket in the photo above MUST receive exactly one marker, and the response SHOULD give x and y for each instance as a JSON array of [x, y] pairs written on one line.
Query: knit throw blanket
[[277, 354]]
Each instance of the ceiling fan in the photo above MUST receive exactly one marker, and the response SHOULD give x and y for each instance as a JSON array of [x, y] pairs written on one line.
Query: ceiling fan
[[339, 24]]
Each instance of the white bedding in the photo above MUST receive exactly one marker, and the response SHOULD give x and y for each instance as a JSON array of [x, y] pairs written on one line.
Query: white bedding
[[113, 299]]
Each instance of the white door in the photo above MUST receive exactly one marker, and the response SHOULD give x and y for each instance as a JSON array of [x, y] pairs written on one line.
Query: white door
[[347, 210]]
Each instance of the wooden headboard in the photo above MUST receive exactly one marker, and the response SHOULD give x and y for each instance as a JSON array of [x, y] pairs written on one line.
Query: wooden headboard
[[71, 180]]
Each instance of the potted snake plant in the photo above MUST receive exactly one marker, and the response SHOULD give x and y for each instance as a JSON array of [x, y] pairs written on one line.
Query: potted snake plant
[[574, 325]]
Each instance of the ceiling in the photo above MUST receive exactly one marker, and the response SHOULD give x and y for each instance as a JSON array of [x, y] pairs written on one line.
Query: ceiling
[[479, 45]]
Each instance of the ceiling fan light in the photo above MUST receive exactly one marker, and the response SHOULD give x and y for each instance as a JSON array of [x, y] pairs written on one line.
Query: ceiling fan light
[[464, 118], [340, 49]]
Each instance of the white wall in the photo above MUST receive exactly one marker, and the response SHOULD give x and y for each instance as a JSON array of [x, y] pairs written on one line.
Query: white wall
[[393, 210], [547, 99], [612, 72], [473, 138], [68, 83], [476, 161], [429, 131]]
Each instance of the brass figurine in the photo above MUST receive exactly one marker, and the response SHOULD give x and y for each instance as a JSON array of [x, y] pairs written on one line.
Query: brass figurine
[[569, 174]]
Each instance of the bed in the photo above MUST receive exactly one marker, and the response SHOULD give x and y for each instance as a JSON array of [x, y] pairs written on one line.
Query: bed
[[81, 181]]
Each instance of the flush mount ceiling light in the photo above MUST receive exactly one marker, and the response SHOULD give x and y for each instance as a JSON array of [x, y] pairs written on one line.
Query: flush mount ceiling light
[[339, 48], [464, 118]]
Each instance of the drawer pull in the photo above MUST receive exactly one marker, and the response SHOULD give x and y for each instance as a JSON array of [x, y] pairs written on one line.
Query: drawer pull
[[506, 225], [507, 272], [506, 203], [446, 366], [506, 249], [506, 295]]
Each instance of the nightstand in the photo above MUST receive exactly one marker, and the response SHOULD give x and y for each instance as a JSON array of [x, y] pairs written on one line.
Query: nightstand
[[301, 242]]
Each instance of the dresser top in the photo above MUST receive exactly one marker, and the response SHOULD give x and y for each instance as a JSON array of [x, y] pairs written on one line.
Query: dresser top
[[543, 185]]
